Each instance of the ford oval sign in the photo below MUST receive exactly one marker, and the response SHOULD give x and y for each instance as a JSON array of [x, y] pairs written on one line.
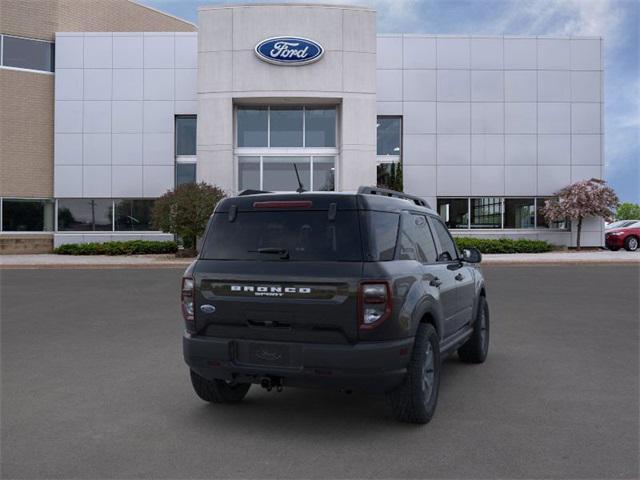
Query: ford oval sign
[[289, 51]]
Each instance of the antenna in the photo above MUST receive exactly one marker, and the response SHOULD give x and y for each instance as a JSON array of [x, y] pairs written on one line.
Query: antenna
[[300, 188]]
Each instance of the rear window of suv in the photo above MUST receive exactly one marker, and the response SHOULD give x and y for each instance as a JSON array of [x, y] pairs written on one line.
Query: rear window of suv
[[284, 235]]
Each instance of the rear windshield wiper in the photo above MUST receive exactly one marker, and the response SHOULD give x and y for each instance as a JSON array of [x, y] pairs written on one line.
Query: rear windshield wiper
[[283, 252]]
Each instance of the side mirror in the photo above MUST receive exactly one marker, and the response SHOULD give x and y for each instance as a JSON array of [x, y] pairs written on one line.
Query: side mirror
[[471, 255]]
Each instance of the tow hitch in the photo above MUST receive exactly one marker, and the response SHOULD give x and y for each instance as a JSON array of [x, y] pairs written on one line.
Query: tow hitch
[[268, 383]]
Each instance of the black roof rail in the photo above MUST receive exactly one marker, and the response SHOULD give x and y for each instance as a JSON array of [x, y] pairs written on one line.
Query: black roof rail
[[392, 193], [252, 192]]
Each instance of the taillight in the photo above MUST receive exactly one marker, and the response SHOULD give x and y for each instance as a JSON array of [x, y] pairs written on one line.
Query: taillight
[[374, 304], [186, 299]]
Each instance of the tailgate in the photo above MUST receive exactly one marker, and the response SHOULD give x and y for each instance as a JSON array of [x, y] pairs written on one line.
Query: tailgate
[[273, 300]]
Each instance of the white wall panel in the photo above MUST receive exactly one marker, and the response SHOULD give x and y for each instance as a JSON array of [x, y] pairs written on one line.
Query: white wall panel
[[487, 85], [520, 180], [158, 149], [487, 117], [96, 116], [127, 84], [126, 181], [68, 149], [68, 116], [521, 85], [96, 149], [453, 180], [585, 86], [97, 84], [126, 149], [419, 117], [419, 149], [554, 86], [554, 149], [554, 54], [419, 52], [453, 52], [585, 118], [454, 149], [158, 51], [520, 149], [158, 84], [68, 84], [520, 53], [127, 117], [156, 180], [389, 52], [69, 51], [98, 51], [453, 85], [158, 117], [553, 178], [487, 149], [454, 117], [419, 85], [67, 181], [487, 180], [420, 180], [389, 85], [487, 53], [586, 150], [554, 118], [586, 54], [127, 51], [520, 118], [96, 181]]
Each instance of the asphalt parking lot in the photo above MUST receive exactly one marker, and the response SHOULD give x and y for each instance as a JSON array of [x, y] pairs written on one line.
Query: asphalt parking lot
[[94, 386]]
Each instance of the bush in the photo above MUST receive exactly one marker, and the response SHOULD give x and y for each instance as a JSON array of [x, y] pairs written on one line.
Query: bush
[[504, 245], [132, 247]]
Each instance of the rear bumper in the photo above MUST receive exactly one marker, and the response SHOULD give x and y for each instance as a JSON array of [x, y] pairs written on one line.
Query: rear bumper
[[366, 366]]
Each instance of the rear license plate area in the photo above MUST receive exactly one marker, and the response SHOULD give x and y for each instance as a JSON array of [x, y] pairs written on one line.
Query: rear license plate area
[[260, 353]]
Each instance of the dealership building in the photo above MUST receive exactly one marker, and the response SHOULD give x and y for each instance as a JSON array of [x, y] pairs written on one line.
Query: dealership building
[[107, 105]]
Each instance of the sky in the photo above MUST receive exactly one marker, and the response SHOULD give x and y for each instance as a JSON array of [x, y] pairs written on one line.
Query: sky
[[617, 21]]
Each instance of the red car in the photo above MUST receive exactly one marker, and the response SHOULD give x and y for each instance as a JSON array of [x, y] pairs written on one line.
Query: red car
[[627, 237]]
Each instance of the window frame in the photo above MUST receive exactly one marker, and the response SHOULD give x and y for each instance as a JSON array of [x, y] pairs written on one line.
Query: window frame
[[536, 227], [267, 151], [436, 238], [184, 159], [22, 69], [29, 232], [389, 159]]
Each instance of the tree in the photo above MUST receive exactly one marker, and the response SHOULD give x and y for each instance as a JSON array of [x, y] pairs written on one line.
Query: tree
[[628, 211], [186, 210], [586, 198]]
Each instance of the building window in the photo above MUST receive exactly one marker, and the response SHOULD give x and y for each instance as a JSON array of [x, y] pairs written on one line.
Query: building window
[[454, 212], [486, 212], [283, 148], [85, 215], [26, 53], [542, 222], [281, 173], [519, 213], [27, 215], [186, 140], [133, 215], [389, 152], [286, 127], [496, 212]]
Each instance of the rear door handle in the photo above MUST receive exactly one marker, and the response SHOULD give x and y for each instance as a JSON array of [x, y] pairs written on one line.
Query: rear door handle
[[459, 277], [435, 282]]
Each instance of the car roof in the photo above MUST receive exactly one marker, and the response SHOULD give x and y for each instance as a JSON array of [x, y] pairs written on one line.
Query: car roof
[[322, 201]]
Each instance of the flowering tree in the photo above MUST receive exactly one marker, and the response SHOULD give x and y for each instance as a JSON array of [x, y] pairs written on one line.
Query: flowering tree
[[186, 210], [586, 198]]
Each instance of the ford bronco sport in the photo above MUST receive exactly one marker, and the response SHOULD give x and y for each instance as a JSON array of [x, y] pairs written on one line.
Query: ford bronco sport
[[353, 291]]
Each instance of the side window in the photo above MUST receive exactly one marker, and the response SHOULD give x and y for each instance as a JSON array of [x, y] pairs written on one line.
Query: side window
[[447, 245], [416, 242], [383, 230], [425, 239]]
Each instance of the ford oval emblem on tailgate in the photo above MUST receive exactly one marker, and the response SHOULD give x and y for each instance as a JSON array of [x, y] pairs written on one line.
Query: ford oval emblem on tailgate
[[206, 308]]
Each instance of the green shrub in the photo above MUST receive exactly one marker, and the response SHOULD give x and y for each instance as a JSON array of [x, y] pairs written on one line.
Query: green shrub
[[504, 245], [131, 247]]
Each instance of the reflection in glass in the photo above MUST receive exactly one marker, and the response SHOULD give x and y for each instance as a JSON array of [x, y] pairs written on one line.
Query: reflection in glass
[[324, 169], [454, 212], [320, 127], [186, 135], [486, 212], [249, 173], [27, 215], [543, 222], [252, 126], [133, 215], [84, 214], [278, 173], [286, 127], [185, 173], [389, 132], [519, 213]]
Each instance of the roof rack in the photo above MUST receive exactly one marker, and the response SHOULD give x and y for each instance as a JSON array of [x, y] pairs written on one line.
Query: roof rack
[[392, 193], [252, 192]]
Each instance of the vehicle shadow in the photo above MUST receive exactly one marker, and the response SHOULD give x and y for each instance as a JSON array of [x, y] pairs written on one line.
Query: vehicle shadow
[[310, 410]]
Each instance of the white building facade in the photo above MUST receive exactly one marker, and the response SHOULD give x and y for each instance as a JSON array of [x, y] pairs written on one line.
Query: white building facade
[[484, 128]]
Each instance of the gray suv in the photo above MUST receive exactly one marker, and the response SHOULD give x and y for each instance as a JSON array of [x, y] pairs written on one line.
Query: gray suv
[[353, 291]]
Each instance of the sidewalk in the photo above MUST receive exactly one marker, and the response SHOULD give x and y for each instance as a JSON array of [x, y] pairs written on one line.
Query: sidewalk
[[170, 261]]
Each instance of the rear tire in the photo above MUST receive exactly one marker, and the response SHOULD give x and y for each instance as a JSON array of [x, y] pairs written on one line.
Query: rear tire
[[476, 348], [415, 400], [631, 243], [218, 391]]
